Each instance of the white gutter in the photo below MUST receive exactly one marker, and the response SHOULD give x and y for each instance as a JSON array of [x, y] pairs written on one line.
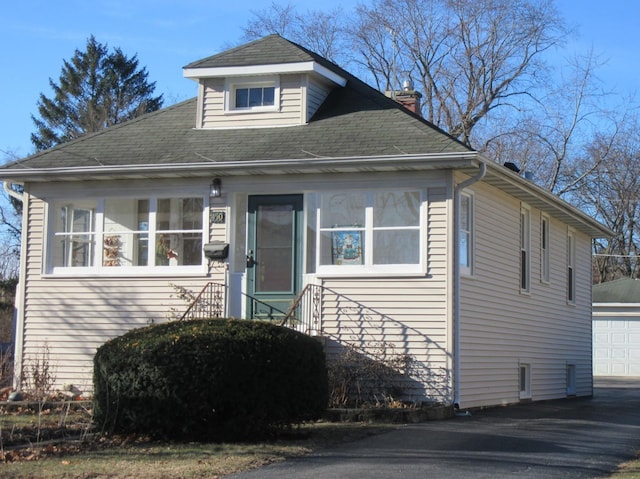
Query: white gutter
[[243, 168], [456, 279], [11, 192]]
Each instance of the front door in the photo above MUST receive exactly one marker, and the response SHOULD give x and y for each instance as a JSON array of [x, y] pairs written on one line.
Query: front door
[[274, 258]]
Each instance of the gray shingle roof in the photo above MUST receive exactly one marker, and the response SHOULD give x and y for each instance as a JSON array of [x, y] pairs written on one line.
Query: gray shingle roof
[[624, 290], [272, 49], [355, 120]]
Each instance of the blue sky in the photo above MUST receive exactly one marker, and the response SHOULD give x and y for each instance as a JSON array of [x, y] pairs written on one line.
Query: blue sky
[[37, 35]]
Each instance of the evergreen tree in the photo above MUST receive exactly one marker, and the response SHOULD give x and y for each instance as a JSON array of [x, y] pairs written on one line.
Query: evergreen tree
[[96, 89]]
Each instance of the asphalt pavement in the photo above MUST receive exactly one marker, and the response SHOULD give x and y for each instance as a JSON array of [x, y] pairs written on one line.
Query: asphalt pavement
[[569, 438]]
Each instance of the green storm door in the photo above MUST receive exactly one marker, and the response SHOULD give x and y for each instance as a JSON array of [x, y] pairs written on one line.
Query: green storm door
[[275, 254]]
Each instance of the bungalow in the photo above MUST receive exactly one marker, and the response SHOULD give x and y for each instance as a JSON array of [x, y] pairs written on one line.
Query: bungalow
[[289, 184]]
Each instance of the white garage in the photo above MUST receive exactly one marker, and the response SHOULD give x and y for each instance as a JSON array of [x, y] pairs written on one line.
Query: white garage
[[616, 328]]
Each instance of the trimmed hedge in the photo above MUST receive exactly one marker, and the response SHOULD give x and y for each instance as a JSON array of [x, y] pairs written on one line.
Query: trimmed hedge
[[214, 379]]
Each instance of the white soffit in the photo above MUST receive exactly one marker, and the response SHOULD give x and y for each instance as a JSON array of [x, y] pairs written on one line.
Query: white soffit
[[279, 68]]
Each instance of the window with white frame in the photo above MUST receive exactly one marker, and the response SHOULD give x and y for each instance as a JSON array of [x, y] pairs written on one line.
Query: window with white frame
[[525, 256], [369, 229], [109, 233], [250, 95], [525, 381], [544, 248], [74, 234], [465, 228], [571, 271]]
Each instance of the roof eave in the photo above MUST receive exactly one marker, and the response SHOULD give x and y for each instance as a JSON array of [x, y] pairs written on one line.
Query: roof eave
[[359, 164], [544, 200], [272, 69]]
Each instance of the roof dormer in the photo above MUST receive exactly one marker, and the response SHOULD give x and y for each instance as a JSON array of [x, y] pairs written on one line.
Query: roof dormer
[[266, 83]]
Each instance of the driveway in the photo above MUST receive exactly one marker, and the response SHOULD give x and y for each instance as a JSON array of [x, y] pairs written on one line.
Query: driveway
[[574, 438]]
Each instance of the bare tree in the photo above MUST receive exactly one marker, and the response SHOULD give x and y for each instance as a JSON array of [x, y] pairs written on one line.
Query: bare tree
[[10, 229], [548, 131], [610, 192], [320, 31], [469, 57], [279, 19]]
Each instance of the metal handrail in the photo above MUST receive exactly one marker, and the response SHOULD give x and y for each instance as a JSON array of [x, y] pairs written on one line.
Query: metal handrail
[[217, 295], [303, 314]]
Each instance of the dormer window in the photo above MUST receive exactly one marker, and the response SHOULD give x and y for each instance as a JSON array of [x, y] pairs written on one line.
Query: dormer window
[[249, 95]]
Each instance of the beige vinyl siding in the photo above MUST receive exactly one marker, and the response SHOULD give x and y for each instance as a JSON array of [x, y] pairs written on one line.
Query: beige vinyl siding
[[74, 316], [316, 94], [289, 112], [399, 315], [502, 327]]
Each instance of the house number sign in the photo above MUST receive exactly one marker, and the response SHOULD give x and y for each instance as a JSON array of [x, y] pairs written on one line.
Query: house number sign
[[217, 217]]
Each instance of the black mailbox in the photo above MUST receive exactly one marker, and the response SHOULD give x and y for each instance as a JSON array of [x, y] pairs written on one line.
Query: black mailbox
[[216, 250]]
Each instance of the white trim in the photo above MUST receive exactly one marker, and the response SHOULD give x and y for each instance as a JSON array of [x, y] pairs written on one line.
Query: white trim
[[123, 272], [429, 161], [276, 68], [98, 269], [367, 230], [616, 305], [231, 84]]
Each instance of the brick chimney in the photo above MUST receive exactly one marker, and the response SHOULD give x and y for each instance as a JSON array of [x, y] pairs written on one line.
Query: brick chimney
[[407, 97]]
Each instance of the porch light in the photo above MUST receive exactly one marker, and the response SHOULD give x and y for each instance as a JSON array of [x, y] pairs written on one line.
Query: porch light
[[216, 188]]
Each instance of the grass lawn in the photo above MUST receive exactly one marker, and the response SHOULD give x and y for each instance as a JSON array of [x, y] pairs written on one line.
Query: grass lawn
[[628, 470], [60, 452]]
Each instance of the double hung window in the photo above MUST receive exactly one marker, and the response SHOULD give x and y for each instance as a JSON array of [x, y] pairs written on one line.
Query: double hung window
[[114, 234], [74, 226], [544, 249], [571, 269], [525, 258], [465, 228]]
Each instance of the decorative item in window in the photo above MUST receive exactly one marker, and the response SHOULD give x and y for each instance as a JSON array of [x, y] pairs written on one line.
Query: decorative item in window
[[346, 247], [165, 255], [111, 250]]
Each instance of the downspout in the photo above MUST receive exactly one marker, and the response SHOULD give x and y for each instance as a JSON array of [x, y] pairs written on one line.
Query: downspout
[[18, 327], [14, 194], [456, 279]]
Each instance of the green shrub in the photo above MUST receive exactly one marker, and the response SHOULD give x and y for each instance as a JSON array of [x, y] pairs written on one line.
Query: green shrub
[[209, 380]]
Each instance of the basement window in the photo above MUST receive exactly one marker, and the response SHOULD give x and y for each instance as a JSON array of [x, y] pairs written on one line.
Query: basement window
[[525, 381]]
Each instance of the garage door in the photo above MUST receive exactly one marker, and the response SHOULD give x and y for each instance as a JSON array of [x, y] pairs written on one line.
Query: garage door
[[616, 346]]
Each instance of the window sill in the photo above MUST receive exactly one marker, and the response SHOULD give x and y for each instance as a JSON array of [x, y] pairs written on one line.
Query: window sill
[[119, 272], [364, 272], [245, 111]]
